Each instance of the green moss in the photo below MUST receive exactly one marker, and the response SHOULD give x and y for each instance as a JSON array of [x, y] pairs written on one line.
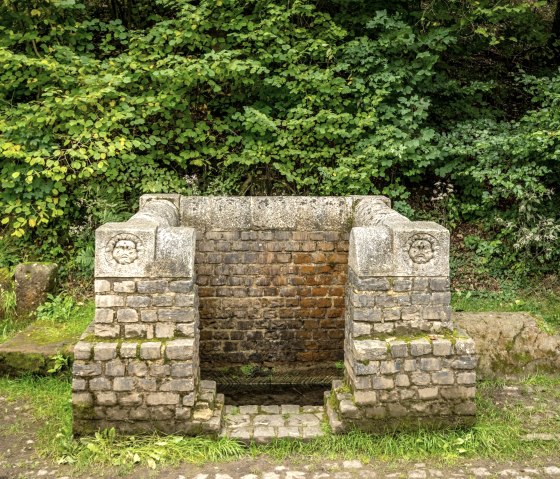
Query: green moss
[[17, 363]]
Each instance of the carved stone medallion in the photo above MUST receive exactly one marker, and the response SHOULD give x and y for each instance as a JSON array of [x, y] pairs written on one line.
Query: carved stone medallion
[[124, 248], [421, 248]]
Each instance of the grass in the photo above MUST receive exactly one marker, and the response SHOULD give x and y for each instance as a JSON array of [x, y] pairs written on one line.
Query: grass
[[543, 304], [498, 434], [60, 318]]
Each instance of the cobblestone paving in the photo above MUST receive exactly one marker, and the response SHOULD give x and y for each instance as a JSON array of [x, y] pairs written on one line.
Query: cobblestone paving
[[264, 423]]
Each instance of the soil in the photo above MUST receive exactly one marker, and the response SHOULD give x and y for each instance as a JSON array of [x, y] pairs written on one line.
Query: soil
[[302, 395]]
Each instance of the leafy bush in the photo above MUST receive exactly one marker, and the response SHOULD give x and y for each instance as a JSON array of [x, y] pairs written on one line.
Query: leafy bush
[[100, 105]]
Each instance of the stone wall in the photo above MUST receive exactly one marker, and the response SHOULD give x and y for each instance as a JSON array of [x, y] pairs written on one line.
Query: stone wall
[[270, 297], [269, 278]]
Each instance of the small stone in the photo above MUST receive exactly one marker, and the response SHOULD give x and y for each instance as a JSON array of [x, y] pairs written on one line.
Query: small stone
[[352, 464], [104, 351], [552, 470], [150, 350]]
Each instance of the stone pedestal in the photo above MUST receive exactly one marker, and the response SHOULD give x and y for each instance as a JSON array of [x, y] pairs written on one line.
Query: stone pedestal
[[406, 366]]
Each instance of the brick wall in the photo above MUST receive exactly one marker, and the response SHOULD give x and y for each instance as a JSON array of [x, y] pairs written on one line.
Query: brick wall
[[271, 296]]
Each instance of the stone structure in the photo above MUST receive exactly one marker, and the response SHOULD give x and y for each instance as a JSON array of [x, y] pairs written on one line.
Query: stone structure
[[272, 275], [34, 281]]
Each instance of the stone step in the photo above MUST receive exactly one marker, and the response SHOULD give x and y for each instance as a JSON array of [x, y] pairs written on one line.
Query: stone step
[[263, 424]]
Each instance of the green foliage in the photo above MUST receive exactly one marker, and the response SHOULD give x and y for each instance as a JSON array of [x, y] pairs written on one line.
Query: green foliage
[[99, 105]]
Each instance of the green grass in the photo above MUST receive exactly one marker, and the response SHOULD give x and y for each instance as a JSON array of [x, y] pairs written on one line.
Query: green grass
[[60, 318], [543, 304], [497, 435]]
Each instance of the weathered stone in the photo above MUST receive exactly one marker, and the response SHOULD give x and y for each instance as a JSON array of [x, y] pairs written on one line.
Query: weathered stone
[[105, 351], [180, 349], [82, 350], [34, 281], [150, 350], [127, 315], [104, 315]]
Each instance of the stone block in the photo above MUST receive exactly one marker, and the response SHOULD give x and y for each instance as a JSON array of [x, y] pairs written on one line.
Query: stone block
[[137, 330], [82, 400], [442, 347], [162, 398], [185, 329], [150, 287], [138, 301], [180, 349], [150, 350], [105, 351], [82, 369], [365, 398], [107, 398], [137, 368], [428, 393], [429, 364], [114, 367], [466, 378], [104, 315], [464, 346], [79, 384], [348, 409], [464, 362], [82, 350], [107, 331], [128, 350], [102, 286], [130, 399], [124, 286], [182, 369], [109, 300], [184, 286], [370, 349], [443, 377], [402, 381], [100, 384], [177, 385], [165, 330], [382, 383], [399, 349], [176, 315], [420, 347], [150, 316], [127, 315], [123, 384]]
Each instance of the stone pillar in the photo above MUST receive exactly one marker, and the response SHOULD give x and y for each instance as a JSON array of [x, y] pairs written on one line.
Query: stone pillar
[[406, 365], [137, 368]]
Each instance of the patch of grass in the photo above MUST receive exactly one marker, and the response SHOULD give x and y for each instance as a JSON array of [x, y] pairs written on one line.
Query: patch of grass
[[543, 304], [498, 434]]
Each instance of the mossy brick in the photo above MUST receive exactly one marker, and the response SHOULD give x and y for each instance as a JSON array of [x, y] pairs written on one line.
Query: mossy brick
[[128, 349], [180, 349], [152, 286], [102, 286], [124, 286], [109, 300], [127, 315], [82, 350], [104, 351], [151, 350], [136, 330], [82, 400], [104, 315]]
